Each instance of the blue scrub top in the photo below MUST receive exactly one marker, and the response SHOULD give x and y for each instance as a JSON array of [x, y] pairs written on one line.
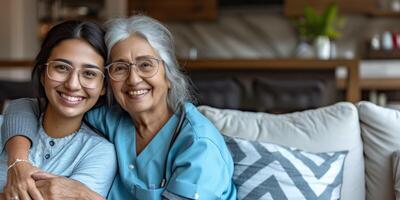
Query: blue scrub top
[[199, 165]]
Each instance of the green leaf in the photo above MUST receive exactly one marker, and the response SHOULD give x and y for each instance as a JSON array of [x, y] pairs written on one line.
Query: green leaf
[[313, 24]]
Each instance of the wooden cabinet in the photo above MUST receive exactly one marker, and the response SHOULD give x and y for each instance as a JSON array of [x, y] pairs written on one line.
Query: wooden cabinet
[[296, 7], [382, 54], [51, 12], [351, 83], [175, 10]]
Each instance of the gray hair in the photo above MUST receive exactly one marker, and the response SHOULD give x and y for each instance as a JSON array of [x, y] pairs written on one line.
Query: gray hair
[[160, 38]]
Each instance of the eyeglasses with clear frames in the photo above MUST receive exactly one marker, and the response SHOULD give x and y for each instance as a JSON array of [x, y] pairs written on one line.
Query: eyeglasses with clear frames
[[145, 67], [88, 77]]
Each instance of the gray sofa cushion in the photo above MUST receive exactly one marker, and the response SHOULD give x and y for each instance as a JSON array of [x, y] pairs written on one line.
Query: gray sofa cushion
[[380, 130], [270, 171], [332, 128]]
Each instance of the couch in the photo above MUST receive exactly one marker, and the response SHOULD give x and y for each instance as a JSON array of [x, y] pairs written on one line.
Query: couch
[[369, 133]]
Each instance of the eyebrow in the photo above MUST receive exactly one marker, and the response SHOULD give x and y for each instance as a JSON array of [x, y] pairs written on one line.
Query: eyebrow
[[121, 60], [127, 60], [70, 63]]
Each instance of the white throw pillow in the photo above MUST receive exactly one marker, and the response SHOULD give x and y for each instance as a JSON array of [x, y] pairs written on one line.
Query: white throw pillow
[[274, 172], [328, 129], [380, 129]]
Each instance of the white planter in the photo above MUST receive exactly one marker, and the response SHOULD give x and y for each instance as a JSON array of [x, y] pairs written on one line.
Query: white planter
[[322, 47]]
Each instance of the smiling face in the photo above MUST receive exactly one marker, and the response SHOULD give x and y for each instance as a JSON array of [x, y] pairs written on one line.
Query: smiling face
[[136, 94], [69, 99]]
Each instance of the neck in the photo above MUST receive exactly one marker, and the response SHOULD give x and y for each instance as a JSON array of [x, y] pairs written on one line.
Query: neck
[[148, 124], [58, 126]]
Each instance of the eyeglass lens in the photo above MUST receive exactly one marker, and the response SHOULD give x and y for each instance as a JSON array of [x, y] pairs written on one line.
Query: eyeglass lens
[[144, 67], [88, 77]]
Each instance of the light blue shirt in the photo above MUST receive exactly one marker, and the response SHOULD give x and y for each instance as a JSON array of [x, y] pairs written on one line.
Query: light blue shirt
[[83, 156], [198, 166]]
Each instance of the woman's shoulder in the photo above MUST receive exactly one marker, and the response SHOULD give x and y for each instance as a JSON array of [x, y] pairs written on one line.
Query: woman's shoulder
[[199, 136], [111, 114], [90, 136], [199, 129], [199, 123], [113, 110]]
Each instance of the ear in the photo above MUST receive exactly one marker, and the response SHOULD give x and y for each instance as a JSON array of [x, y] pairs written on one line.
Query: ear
[[168, 84], [103, 91]]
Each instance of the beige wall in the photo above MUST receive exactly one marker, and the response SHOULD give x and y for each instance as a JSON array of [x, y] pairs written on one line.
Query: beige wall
[[18, 22], [116, 8], [5, 32]]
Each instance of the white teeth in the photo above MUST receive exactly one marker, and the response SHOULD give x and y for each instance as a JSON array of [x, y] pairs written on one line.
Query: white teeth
[[137, 92], [71, 98]]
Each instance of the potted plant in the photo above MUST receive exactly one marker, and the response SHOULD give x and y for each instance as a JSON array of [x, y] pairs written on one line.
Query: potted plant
[[321, 29]]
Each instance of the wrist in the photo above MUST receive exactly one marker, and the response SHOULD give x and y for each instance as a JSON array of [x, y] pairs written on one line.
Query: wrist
[[87, 194], [12, 156], [17, 148], [17, 160]]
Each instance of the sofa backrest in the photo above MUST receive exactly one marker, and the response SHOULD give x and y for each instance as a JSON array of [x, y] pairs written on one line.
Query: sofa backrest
[[380, 130], [1, 122], [332, 128]]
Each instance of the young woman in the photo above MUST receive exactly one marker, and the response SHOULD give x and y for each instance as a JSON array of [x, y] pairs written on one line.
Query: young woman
[[69, 80], [166, 148]]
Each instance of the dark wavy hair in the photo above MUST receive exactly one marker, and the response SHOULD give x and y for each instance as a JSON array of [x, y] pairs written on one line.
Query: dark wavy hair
[[90, 32]]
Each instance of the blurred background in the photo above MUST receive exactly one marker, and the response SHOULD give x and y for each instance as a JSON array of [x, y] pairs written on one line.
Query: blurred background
[[260, 55]]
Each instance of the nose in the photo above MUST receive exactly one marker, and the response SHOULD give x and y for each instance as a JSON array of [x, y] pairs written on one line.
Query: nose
[[73, 82], [134, 77]]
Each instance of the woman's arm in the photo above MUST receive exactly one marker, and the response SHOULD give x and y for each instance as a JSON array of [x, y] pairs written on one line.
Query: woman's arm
[[19, 176], [19, 146], [57, 187], [20, 118], [21, 121], [201, 172], [19, 125]]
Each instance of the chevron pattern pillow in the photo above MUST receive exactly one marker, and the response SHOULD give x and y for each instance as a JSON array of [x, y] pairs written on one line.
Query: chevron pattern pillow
[[270, 171]]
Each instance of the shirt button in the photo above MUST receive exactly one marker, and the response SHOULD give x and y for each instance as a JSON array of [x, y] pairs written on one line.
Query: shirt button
[[51, 143], [131, 166], [47, 156], [196, 196]]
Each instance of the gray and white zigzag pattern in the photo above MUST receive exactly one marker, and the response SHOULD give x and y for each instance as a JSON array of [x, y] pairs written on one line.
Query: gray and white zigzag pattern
[[269, 171]]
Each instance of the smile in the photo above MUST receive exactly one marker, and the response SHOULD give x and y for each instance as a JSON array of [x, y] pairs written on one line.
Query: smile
[[71, 99], [138, 92]]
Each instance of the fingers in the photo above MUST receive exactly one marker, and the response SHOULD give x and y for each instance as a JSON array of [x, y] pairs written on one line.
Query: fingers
[[42, 187], [23, 195], [11, 197], [40, 184], [19, 181], [7, 196], [42, 176], [35, 194], [10, 193], [23, 190]]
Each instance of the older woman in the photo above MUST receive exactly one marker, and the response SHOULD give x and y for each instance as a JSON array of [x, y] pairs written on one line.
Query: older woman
[[165, 147]]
